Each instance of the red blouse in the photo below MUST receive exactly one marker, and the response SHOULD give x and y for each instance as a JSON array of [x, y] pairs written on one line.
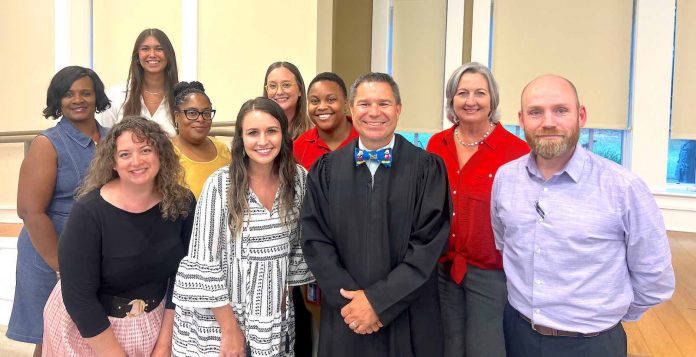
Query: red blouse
[[308, 147], [471, 236]]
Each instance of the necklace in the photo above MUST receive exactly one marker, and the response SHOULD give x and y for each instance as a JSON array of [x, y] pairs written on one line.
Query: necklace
[[153, 93], [475, 143]]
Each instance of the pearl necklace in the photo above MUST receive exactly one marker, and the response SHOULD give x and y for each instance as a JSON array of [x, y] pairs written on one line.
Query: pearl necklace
[[475, 143]]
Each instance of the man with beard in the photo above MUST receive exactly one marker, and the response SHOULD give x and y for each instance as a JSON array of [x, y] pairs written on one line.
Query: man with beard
[[583, 242]]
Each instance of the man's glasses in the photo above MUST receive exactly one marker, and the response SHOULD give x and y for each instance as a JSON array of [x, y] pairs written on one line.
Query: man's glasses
[[193, 114], [274, 87]]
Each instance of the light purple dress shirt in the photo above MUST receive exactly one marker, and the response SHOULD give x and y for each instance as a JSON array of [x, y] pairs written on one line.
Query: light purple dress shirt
[[584, 249]]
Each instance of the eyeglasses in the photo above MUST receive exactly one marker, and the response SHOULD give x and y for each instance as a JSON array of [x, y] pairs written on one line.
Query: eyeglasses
[[193, 114], [273, 87]]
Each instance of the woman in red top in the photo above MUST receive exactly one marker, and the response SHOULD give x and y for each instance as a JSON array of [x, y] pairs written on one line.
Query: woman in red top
[[473, 293], [326, 102]]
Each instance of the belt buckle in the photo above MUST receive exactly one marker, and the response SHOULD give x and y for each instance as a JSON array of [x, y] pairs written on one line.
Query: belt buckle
[[137, 307]]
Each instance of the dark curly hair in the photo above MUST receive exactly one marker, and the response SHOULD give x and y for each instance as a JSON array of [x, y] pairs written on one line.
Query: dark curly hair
[[284, 164], [61, 83], [183, 89], [176, 199]]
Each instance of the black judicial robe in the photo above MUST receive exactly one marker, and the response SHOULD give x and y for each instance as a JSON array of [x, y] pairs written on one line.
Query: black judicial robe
[[384, 239]]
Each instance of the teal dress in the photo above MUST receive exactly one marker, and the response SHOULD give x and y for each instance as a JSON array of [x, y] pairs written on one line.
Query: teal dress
[[35, 279]]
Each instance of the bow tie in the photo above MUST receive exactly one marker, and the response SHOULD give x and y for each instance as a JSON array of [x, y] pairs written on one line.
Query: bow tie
[[383, 156]]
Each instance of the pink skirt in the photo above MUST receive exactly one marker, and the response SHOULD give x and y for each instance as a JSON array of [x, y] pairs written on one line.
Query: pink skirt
[[137, 335]]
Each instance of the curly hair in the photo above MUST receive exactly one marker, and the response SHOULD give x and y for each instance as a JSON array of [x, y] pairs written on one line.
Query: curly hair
[[176, 199], [135, 79], [61, 83], [300, 122], [183, 89], [284, 164]]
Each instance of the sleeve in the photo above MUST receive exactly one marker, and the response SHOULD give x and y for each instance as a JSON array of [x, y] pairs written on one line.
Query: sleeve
[[496, 222], [429, 234], [79, 256], [317, 239], [186, 229], [109, 117], [647, 251], [201, 280], [298, 271]]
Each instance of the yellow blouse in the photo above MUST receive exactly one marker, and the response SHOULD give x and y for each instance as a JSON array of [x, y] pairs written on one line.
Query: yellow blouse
[[197, 171]]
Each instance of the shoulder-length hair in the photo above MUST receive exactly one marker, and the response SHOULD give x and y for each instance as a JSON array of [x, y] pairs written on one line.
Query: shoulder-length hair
[[132, 106], [300, 122], [453, 83], [176, 199], [61, 83], [284, 164]]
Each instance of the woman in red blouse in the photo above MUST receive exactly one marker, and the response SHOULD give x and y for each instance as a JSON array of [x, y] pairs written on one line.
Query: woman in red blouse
[[473, 293]]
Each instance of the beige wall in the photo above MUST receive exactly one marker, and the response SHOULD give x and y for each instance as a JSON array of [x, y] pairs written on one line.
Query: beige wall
[[239, 39], [26, 35]]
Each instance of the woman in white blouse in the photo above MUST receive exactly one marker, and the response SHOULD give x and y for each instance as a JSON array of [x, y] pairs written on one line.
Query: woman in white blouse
[[149, 90], [231, 290]]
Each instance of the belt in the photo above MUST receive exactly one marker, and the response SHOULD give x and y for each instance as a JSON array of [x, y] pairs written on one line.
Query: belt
[[121, 307], [548, 331]]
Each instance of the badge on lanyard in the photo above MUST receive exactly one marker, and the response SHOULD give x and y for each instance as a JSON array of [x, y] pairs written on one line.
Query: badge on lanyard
[[313, 293]]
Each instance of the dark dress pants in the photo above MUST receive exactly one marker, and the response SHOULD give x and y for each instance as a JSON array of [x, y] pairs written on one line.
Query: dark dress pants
[[522, 341]]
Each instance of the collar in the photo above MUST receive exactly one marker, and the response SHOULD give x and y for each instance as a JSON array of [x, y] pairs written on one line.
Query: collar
[[312, 135], [389, 146], [573, 167], [75, 134]]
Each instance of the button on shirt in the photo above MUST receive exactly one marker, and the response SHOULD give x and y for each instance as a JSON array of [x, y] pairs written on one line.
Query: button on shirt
[[585, 248], [471, 236]]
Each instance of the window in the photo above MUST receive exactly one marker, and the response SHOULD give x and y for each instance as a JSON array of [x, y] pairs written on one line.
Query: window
[[603, 142]]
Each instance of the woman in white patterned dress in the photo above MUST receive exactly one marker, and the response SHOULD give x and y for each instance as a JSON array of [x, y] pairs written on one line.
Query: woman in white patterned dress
[[231, 291]]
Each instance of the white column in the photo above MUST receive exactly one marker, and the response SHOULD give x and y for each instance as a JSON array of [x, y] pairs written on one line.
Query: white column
[[481, 32], [61, 34], [648, 135], [381, 27]]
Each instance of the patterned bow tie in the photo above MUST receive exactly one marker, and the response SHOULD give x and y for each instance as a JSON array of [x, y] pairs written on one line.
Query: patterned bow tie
[[383, 156]]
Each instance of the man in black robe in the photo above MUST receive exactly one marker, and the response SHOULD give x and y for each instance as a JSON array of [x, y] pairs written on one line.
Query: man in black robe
[[373, 225]]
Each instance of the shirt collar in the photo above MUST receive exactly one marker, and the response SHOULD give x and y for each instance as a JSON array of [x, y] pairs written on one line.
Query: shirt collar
[[75, 134], [573, 167], [389, 146]]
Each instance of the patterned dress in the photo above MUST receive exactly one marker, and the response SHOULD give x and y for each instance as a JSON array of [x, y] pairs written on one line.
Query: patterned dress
[[250, 272]]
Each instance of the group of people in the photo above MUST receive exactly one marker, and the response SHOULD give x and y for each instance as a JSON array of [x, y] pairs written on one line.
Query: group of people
[[145, 236]]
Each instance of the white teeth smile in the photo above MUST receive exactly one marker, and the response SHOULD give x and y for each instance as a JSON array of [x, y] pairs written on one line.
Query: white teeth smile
[[138, 171], [263, 151], [324, 116]]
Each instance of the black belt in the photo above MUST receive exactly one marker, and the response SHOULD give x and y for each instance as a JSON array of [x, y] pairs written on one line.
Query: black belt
[[119, 307]]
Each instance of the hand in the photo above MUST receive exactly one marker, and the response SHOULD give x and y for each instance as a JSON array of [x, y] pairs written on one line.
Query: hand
[[358, 313], [232, 343], [160, 351]]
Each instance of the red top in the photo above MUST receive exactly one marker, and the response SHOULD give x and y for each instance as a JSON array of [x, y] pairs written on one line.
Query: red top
[[308, 147], [471, 236]]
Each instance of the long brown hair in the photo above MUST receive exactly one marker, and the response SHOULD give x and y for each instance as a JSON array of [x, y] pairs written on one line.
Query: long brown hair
[[176, 199], [284, 163], [132, 106], [300, 122]]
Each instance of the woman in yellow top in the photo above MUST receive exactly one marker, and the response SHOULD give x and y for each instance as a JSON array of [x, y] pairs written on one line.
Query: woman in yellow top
[[199, 154]]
